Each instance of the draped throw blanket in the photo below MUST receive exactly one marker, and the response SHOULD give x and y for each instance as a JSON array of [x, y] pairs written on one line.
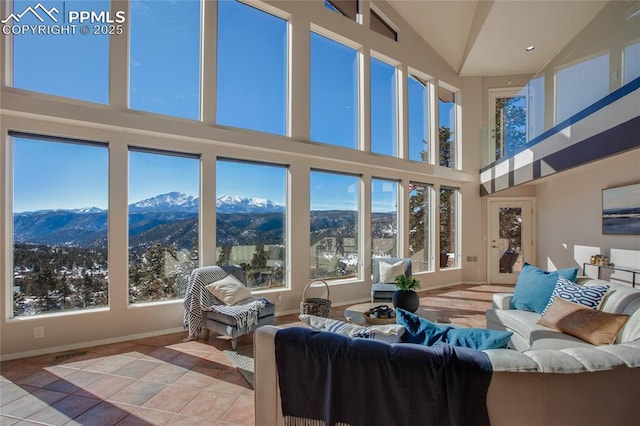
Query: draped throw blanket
[[199, 300], [329, 379]]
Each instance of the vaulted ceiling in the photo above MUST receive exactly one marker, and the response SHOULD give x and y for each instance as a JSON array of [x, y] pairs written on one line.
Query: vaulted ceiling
[[489, 38]]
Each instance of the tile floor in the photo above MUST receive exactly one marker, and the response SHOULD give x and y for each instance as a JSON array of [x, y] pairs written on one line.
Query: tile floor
[[165, 381]]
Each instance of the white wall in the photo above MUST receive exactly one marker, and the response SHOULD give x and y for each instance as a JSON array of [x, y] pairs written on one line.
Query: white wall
[[570, 212]]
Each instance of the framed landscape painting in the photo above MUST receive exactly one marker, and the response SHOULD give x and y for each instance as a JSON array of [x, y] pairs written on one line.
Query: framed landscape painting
[[621, 210]]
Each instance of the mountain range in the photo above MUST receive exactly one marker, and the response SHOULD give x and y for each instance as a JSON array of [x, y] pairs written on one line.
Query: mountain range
[[162, 217], [172, 218]]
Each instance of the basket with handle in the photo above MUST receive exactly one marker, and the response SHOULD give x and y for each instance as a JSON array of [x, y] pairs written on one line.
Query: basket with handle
[[315, 305]]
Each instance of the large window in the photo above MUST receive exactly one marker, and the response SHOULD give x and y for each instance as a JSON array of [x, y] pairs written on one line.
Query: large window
[[447, 127], [384, 108], [418, 118], [420, 240], [580, 85], [252, 68], [631, 62], [335, 227], [60, 222], [70, 64], [251, 220], [163, 224], [334, 92], [164, 57], [449, 233], [384, 218]]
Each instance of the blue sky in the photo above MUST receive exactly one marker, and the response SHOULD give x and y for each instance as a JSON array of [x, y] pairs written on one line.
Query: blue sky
[[164, 45]]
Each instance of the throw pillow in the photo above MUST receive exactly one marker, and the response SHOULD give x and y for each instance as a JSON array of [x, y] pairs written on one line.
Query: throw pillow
[[534, 287], [588, 324], [589, 296], [389, 333], [422, 331], [229, 290], [389, 272]]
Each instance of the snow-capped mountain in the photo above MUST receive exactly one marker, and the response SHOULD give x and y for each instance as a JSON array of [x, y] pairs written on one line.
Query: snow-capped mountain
[[237, 204], [171, 201]]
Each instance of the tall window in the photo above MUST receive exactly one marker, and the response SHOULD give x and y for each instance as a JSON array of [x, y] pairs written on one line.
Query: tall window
[[163, 224], [447, 127], [71, 64], [252, 68], [420, 244], [334, 210], [334, 92], [508, 121], [580, 85], [384, 218], [631, 62], [60, 223], [165, 43], [384, 108], [251, 220], [418, 117], [449, 238]]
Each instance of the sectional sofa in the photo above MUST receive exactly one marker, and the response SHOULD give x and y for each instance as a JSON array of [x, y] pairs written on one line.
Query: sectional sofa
[[547, 378]]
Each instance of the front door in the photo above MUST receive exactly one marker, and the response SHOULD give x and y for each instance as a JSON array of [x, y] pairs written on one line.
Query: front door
[[511, 233]]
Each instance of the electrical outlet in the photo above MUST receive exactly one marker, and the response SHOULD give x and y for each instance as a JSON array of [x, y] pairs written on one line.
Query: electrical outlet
[[38, 332]]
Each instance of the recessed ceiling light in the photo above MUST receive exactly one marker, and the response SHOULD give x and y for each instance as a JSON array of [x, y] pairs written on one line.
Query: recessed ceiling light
[[530, 48]]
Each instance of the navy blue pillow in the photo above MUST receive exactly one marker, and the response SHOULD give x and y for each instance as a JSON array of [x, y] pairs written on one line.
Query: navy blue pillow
[[534, 287], [422, 331]]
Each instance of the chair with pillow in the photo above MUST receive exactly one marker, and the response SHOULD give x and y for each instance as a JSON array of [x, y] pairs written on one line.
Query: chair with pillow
[[218, 300], [385, 270]]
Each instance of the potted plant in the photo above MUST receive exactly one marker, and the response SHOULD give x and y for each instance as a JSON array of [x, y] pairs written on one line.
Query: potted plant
[[405, 297]]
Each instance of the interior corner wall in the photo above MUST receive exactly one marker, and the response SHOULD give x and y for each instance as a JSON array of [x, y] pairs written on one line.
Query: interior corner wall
[[569, 207]]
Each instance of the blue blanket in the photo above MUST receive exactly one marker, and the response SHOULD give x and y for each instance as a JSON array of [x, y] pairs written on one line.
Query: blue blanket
[[335, 379]]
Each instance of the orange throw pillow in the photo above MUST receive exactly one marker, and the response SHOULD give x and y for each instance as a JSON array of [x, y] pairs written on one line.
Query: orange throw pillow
[[590, 325]]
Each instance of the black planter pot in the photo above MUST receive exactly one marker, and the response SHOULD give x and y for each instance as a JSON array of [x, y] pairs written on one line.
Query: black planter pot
[[406, 299]]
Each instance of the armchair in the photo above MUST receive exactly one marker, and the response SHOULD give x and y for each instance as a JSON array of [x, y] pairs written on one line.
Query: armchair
[[227, 321], [383, 283]]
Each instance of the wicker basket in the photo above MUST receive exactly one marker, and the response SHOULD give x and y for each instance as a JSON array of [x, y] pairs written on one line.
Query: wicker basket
[[377, 321], [315, 305]]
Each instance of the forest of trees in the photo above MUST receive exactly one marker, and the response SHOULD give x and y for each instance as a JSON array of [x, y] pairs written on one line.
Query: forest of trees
[[48, 279]]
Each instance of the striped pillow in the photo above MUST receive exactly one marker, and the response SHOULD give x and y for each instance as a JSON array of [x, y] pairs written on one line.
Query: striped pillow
[[589, 296], [389, 333]]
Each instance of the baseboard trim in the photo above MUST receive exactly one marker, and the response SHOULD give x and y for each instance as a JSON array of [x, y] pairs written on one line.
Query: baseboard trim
[[82, 345]]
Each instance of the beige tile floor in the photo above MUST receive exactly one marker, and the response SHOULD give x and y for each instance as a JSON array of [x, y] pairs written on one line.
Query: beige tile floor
[[165, 381]]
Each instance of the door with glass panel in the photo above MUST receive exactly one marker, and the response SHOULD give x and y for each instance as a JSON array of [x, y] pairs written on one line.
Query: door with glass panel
[[508, 122], [511, 236]]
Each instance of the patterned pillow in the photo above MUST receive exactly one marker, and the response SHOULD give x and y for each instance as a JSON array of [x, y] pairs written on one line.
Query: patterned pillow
[[589, 296], [390, 333]]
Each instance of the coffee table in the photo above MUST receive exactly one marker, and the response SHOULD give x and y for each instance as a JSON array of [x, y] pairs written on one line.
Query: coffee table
[[355, 314]]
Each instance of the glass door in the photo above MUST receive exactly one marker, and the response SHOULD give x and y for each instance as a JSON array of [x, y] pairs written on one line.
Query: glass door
[[508, 122], [511, 239]]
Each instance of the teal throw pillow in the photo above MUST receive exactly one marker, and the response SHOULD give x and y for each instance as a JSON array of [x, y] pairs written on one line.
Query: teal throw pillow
[[534, 287], [422, 331]]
